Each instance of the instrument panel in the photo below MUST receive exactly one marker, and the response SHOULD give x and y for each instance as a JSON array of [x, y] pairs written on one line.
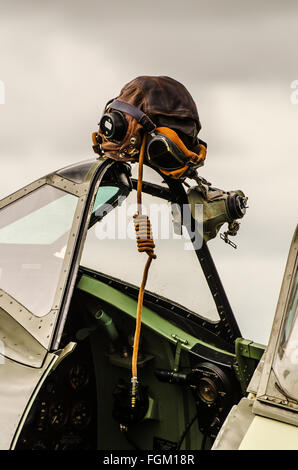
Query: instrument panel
[[63, 416]]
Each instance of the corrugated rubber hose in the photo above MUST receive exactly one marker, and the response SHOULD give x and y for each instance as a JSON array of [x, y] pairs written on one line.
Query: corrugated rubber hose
[[145, 244]]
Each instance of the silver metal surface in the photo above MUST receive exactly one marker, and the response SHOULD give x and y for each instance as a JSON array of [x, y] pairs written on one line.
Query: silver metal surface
[[267, 390], [255, 380], [275, 412], [78, 216], [22, 192], [17, 385], [43, 328], [18, 344], [39, 328], [235, 426]]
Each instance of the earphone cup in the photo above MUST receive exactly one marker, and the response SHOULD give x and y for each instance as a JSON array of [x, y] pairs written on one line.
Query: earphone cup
[[113, 126]]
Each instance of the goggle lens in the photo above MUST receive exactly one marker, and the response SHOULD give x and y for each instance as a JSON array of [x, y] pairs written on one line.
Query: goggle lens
[[164, 154]]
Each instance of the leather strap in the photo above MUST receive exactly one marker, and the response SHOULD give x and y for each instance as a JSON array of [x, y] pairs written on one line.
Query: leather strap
[[141, 117]]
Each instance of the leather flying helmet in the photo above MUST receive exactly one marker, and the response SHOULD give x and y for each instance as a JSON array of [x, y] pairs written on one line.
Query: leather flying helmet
[[163, 109]]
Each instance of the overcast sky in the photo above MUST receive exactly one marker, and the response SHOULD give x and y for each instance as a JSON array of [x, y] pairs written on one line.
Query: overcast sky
[[61, 61]]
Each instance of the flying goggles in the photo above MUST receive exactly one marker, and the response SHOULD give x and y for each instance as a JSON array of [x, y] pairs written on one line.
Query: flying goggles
[[165, 150]]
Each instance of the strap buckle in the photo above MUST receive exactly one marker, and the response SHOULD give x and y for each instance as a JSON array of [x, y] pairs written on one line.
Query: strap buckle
[[225, 238], [147, 124]]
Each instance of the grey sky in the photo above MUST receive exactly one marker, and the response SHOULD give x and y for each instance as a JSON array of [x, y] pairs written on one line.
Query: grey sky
[[62, 60]]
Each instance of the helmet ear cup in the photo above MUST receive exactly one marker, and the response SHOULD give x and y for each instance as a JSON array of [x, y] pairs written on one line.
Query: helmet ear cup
[[113, 126]]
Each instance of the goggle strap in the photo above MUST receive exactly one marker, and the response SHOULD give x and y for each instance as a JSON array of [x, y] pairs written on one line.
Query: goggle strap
[[176, 174], [140, 117]]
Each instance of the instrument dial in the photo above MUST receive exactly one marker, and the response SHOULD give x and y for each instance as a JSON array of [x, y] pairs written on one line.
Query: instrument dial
[[58, 414], [207, 390], [78, 376], [80, 415]]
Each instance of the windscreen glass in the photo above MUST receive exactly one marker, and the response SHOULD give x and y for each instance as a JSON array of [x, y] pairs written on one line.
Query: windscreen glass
[[176, 274], [34, 232]]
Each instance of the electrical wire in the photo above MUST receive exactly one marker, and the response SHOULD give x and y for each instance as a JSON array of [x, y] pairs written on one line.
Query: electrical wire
[[187, 429], [132, 442], [204, 442]]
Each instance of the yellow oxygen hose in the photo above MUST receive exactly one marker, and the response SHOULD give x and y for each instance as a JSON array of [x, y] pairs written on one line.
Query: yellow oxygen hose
[[146, 244]]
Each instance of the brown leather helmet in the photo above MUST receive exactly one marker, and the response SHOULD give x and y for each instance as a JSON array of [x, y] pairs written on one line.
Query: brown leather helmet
[[167, 103]]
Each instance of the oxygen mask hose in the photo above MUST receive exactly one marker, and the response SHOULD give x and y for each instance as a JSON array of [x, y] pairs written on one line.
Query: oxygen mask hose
[[146, 244]]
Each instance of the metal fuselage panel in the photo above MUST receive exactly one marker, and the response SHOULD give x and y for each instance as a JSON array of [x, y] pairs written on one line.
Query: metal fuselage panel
[[269, 434], [18, 385]]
